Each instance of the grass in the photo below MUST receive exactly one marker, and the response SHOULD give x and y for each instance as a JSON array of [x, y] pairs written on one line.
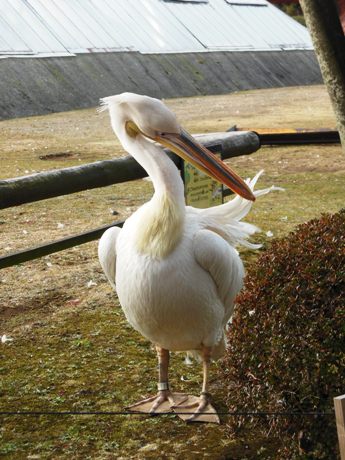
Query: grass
[[72, 348]]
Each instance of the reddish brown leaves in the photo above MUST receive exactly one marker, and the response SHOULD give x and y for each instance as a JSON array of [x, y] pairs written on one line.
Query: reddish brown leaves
[[288, 333]]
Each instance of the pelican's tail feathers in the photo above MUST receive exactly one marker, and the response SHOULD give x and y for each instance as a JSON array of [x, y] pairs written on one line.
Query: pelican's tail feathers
[[218, 351], [239, 207], [225, 219]]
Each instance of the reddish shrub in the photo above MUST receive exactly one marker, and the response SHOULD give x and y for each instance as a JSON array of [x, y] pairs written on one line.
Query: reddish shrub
[[287, 341]]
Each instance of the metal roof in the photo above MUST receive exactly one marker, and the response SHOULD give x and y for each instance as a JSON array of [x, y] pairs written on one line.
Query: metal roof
[[65, 27]]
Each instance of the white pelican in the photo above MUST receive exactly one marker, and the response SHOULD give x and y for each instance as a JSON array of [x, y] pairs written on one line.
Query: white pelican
[[175, 268]]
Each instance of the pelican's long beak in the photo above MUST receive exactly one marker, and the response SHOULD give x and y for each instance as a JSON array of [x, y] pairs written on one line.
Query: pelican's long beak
[[185, 146]]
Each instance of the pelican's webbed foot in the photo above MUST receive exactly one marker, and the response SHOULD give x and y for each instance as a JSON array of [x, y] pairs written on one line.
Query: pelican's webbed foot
[[159, 404], [197, 409]]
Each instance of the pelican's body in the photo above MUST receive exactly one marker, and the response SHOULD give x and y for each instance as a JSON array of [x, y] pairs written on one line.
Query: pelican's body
[[175, 302], [175, 268]]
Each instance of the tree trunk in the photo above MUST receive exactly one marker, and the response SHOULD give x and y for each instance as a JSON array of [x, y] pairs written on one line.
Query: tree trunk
[[324, 25]]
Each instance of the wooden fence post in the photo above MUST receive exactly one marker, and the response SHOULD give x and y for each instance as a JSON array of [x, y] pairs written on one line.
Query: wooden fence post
[[339, 405]]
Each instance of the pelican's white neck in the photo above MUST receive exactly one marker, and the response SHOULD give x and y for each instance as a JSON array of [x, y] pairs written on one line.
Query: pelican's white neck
[[164, 174], [162, 224]]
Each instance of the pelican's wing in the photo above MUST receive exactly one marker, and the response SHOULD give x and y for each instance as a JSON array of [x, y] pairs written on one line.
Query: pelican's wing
[[107, 253], [223, 264], [214, 244]]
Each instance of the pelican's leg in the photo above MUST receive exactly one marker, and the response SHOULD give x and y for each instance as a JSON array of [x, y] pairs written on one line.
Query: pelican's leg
[[201, 409], [163, 380], [165, 399]]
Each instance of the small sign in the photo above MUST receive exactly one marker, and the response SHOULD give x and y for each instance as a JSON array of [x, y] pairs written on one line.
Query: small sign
[[201, 191]]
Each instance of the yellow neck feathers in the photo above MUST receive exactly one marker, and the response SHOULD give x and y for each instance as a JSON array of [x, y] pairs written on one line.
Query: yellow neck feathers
[[161, 228]]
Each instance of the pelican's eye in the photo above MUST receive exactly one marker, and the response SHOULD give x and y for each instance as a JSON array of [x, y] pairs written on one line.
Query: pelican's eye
[[165, 134], [131, 128]]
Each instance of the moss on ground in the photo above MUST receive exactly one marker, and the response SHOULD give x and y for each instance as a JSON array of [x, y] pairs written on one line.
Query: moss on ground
[[89, 359]]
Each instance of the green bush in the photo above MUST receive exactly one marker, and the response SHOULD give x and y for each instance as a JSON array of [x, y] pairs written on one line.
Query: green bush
[[287, 340]]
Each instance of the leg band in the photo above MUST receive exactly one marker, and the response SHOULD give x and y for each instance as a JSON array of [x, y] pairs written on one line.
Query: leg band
[[205, 393], [163, 386]]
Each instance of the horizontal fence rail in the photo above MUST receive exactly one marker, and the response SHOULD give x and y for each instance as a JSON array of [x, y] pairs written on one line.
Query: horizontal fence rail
[[55, 246], [289, 136], [50, 184], [300, 138]]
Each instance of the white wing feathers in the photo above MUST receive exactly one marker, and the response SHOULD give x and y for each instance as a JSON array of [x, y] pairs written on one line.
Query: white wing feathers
[[107, 253], [214, 250], [223, 263], [225, 219]]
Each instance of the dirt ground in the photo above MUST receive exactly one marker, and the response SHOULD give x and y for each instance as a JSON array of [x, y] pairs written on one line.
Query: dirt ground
[[72, 348]]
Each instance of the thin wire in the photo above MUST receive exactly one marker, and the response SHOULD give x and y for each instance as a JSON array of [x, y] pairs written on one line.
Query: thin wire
[[227, 413]]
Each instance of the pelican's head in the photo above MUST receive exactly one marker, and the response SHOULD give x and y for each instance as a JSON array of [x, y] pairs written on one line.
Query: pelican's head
[[150, 117]]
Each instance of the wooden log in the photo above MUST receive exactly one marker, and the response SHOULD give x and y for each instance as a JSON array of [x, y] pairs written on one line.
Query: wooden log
[[339, 406], [27, 189]]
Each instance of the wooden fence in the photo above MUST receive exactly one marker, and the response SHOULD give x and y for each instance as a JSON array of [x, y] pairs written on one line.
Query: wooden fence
[[41, 186]]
